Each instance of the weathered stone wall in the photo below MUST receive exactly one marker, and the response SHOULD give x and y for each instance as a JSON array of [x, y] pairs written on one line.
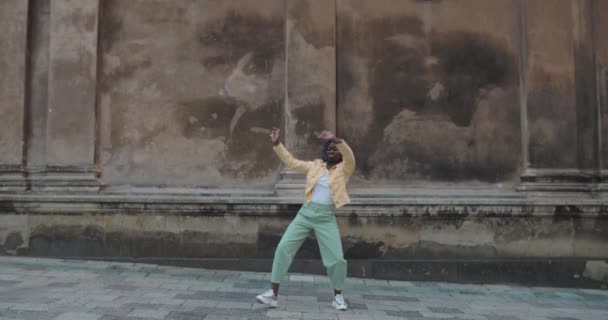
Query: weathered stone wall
[[181, 94], [13, 20], [188, 91], [541, 244], [601, 61], [139, 129], [425, 97]]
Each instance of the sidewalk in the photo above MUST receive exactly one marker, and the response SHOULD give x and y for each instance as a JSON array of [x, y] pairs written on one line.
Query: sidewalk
[[32, 288]]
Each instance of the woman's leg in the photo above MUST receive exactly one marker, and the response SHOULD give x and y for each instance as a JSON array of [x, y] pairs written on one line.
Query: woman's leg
[[275, 288], [291, 241], [330, 244]]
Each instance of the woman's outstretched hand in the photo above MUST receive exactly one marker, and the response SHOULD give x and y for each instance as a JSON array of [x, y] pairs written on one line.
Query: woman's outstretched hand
[[275, 136], [327, 135]]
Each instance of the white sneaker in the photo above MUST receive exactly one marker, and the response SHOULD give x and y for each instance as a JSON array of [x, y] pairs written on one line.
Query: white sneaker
[[339, 303], [268, 298]]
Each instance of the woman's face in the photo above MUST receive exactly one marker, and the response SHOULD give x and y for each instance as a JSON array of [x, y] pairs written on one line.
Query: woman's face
[[333, 154]]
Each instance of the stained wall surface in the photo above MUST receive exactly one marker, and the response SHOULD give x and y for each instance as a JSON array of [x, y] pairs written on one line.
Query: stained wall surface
[[183, 94]]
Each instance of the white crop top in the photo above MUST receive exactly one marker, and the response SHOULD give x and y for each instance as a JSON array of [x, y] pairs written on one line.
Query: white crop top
[[321, 193]]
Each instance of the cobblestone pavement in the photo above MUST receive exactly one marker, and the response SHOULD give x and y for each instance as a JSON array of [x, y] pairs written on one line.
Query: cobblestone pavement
[[32, 288]]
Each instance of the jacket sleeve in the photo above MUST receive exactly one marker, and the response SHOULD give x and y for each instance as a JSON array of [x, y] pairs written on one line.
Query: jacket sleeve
[[348, 158], [290, 161]]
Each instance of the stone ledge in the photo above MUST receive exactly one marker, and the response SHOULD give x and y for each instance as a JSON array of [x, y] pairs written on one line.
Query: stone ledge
[[562, 180], [581, 272], [263, 203]]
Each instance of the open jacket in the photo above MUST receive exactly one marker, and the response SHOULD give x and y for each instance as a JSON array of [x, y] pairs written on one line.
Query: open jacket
[[338, 175]]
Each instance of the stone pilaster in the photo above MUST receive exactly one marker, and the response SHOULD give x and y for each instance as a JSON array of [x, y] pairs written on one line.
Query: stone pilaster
[[70, 125], [310, 102], [13, 57]]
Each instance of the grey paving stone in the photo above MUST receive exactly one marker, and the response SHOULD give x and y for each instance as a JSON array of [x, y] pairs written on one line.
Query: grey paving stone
[[445, 310], [7, 313], [63, 284], [6, 283], [181, 315], [216, 295], [391, 298], [248, 285], [299, 298], [319, 316], [597, 305], [500, 317], [469, 317], [148, 313], [235, 305], [406, 314], [34, 315], [302, 308], [115, 291], [224, 317], [121, 287], [229, 312], [122, 312], [111, 317], [77, 316], [135, 305], [350, 316], [324, 297], [356, 306], [200, 303], [258, 317], [30, 307], [284, 314]]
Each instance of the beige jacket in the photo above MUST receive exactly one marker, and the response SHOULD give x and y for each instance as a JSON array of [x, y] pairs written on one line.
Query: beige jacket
[[338, 175]]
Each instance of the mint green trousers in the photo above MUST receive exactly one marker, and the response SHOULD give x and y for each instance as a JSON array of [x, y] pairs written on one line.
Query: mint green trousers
[[322, 220]]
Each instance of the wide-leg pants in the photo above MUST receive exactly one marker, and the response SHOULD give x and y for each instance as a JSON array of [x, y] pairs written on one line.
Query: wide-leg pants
[[322, 220]]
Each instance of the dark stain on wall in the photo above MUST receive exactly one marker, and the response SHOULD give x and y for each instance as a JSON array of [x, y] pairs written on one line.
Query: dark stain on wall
[[603, 88], [469, 62], [404, 63], [110, 24], [8, 206], [508, 230], [552, 143], [566, 212], [397, 73], [92, 241], [585, 106], [230, 39], [13, 241], [228, 43], [208, 118], [236, 35], [308, 117], [314, 34], [123, 71], [434, 250], [205, 244], [189, 244], [451, 213], [346, 78], [603, 212], [400, 253], [363, 249], [268, 242], [249, 153], [67, 241], [594, 230]]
